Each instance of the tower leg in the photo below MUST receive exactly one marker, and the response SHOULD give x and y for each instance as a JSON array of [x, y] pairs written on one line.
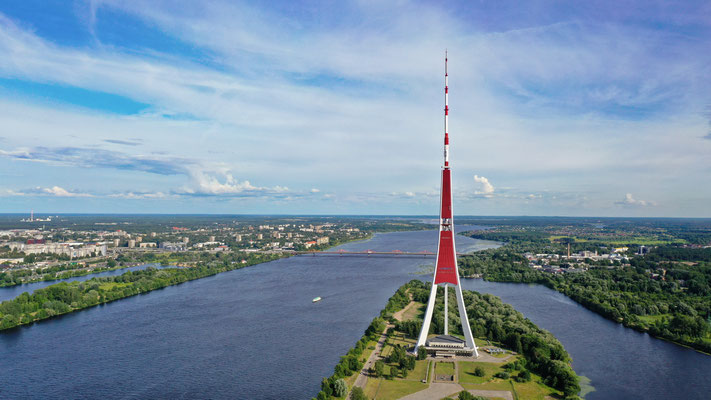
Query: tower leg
[[428, 318], [466, 328], [446, 312]]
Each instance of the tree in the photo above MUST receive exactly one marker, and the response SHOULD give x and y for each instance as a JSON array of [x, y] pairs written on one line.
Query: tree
[[379, 368], [357, 394], [464, 395], [479, 371], [524, 376], [326, 387], [340, 388], [421, 353], [502, 375]]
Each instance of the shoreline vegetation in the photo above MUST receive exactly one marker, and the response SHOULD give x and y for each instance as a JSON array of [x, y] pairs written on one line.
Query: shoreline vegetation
[[59, 273], [539, 365], [66, 297], [627, 295]]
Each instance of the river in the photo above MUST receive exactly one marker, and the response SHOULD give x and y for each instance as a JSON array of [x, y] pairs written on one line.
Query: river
[[255, 334]]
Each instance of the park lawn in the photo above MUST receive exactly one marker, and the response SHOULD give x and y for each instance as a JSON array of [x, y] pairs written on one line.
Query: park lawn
[[500, 355], [444, 368], [385, 352], [111, 285], [466, 371], [651, 319], [496, 384], [397, 388], [484, 342], [399, 338], [420, 371], [371, 387], [535, 389], [415, 312]]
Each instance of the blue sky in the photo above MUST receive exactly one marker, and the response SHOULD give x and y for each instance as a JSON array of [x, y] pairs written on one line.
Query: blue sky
[[557, 107]]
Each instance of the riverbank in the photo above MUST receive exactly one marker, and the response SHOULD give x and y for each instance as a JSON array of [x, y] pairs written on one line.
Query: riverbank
[[70, 273], [588, 301], [390, 373], [69, 297]]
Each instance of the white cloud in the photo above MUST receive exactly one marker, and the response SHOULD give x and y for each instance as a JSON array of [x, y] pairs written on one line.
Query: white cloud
[[251, 113], [630, 201], [140, 196], [209, 184], [486, 188], [55, 191]]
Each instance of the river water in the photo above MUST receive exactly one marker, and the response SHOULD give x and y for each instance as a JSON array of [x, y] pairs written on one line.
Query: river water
[[255, 334]]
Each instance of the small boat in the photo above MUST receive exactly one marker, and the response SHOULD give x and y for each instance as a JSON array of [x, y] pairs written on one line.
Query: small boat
[[316, 299]]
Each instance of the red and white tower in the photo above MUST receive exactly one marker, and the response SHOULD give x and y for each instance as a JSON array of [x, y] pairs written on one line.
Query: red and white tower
[[446, 271]]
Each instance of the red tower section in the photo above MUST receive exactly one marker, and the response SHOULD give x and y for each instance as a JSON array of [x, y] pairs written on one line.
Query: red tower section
[[446, 271]]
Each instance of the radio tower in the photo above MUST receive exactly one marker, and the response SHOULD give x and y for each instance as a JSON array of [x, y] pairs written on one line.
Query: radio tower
[[446, 271]]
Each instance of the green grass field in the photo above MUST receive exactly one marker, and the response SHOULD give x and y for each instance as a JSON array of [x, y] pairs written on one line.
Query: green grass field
[[383, 389], [534, 389], [651, 319], [414, 312], [466, 371], [420, 371], [444, 368], [399, 338], [638, 240]]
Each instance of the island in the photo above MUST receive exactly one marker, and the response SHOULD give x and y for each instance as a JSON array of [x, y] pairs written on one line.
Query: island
[[517, 359]]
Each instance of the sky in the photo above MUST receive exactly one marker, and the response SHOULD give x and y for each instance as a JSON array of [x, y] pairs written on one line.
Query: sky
[[571, 108]]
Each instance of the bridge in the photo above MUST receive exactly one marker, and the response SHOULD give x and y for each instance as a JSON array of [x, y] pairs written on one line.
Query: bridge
[[370, 253]]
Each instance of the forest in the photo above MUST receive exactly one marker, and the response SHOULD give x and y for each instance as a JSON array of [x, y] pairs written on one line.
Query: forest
[[655, 293]]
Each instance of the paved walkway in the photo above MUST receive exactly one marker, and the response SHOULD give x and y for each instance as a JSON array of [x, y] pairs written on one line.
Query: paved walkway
[[362, 378]]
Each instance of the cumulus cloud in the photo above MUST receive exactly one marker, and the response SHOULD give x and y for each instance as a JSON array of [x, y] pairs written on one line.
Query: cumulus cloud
[[207, 183], [222, 183], [630, 201], [486, 189]]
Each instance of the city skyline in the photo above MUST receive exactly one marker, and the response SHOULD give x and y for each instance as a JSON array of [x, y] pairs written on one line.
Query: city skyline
[[306, 108]]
